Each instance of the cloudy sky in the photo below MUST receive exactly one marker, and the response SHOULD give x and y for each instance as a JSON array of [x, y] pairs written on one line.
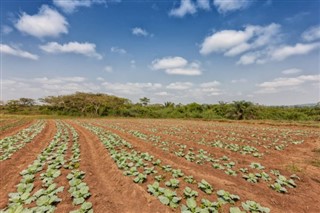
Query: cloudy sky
[[265, 51]]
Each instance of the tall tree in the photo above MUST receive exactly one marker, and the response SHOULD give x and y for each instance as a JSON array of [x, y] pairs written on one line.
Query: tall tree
[[144, 101]]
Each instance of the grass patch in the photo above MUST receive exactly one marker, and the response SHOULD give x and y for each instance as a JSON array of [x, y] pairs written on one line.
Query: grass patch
[[293, 168], [316, 163]]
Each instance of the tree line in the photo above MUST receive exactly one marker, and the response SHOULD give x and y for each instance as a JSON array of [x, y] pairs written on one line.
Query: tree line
[[95, 105]]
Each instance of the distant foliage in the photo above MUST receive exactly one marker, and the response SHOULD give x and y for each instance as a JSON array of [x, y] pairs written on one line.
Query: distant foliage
[[90, 104]]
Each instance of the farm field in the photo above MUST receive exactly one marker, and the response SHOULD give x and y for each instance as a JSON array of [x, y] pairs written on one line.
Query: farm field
[[150, 165]]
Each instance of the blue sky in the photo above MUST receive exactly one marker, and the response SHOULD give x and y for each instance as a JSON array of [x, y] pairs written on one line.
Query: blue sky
[[205, 51]]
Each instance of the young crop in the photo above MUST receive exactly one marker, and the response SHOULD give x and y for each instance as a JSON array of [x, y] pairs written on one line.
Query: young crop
[[177, 173], [252, 206], [173, 183], [252, 178], [205, 187], [188, 192], [170, 198], [189, 179], [140, 178], [226, 197]]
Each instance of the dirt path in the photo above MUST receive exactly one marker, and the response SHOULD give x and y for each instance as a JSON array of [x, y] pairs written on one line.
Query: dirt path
[[11, 168], [111, 190]]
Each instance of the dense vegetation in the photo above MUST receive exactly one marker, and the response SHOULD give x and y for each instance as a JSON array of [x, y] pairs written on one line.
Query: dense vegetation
[[89, 104]]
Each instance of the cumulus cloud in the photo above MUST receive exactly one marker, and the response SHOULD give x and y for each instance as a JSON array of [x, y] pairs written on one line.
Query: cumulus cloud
[[137, 31], [291, 71], [70, 6], [47, 23], [189, 7], [203, 4], [118, 50], [179, 85], [232, 42], [169, 63], [176, 66], [8, 50], [130, 88], [186, 7], [312, 34], [284, 52], [278, 84], [87, 49], [224, 6]]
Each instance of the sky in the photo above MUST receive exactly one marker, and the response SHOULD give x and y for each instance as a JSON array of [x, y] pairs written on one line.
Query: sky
[[183, 51]]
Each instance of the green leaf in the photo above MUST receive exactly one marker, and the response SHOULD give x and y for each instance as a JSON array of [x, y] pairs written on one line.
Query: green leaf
[[235, 210], [78, 201], [164, 200], [86, 205], [191, 203]]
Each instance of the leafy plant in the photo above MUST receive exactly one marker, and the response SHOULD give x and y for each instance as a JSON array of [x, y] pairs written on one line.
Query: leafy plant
[[188, 192], [173, 183], [252, 206], [205, 187], [226, 197]]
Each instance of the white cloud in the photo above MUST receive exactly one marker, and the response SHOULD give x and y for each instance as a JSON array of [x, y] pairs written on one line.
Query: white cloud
[[5, 30], [291, 71], [203, 4], [241, 80], [284, 52], [100, 79], [131, 88], [179, 85], [186, 7], [169, 63], [139, 32], [6, 49], [224, 6], [278, 84], [163, 94], [210, 84], [47, 23], [312, 34], [232, 42], [118, 50], [176, 66], [87, 49], [183, 71], [108, 69], [70, 6]]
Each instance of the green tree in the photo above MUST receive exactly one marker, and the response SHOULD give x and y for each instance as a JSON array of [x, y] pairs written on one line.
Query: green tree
[[241, 110], [144, 101]]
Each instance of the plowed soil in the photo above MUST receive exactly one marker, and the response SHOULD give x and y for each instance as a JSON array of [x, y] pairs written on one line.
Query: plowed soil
[[113, 192]]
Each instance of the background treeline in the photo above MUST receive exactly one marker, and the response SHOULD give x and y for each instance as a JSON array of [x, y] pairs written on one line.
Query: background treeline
[[94, 105]]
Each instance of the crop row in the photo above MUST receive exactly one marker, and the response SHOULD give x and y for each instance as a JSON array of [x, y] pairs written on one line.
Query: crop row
[[172, 186], [13, 143], [33, 197], [253, 173]]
